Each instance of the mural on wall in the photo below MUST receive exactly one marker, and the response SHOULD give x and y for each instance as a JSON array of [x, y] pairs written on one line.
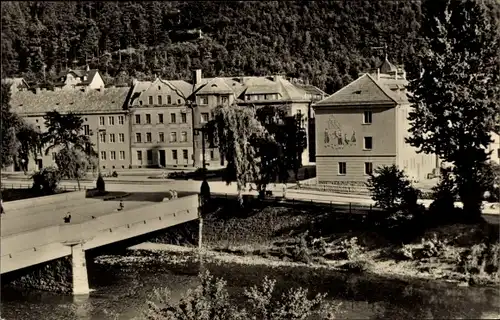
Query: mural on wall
[[338, 136]]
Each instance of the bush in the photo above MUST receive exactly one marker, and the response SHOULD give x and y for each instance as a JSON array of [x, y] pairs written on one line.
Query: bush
[[357, 266], [100, 185], [391, 189], [432, 247], [491, 181], [479, 259], [205, 191], [444, 194], [46, 180], [211, 300], [350, 249]]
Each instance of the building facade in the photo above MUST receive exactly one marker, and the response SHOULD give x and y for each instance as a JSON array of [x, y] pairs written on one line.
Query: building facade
[[161, 127], [363, 126], [106, 121]]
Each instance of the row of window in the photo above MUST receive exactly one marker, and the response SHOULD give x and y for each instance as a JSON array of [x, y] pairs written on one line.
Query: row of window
[[173, 118], [342, 168], [202, 100], [159, 100], [111, 120], [253, 97], [161, 137], [149, 155], [112, 155], [112, 137]]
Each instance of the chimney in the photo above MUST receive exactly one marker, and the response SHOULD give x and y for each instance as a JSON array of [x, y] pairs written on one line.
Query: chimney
[[196, 76]]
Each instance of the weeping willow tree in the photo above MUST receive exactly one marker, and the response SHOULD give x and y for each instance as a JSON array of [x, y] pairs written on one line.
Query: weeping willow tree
[[243, 141]]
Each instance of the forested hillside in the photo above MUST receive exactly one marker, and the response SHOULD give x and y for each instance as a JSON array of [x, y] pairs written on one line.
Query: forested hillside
[[326, 42]]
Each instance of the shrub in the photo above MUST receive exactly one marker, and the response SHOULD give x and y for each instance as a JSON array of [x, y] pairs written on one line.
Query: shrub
[[491, 180], [444, 195], [432, 247], [301, 252], [357, 266], [350, 249], [100, 185], [205, 191], [481, 258], [211, 300], [46, 180], [389, 186]]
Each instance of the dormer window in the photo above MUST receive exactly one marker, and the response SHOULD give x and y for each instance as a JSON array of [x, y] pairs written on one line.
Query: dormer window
[[140, 102], [84, 78], [159, 87]]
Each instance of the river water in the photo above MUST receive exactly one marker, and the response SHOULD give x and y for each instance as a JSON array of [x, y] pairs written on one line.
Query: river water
[[122, 290]]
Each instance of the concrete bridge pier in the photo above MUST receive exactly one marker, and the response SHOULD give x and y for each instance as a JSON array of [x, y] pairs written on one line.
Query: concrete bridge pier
[[79, 269]]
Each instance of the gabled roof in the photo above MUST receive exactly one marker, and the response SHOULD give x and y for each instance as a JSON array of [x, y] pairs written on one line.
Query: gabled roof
[[90, 74], [64, 101], [183, 88], [363, 91], [17, 82], [215, 86]]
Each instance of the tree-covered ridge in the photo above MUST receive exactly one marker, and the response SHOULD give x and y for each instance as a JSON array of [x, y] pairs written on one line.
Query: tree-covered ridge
[[326, 42]]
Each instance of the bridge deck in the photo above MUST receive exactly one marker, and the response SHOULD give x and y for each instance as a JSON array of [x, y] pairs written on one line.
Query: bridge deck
[[52, 214]]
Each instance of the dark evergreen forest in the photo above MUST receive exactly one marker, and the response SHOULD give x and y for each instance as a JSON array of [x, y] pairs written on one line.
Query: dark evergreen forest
[[325, 42]]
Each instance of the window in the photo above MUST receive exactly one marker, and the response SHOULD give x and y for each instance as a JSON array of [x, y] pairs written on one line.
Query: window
[[161, 137], [138, 137], [122, 155], [111, 120], [266, 97], [140, 102], [368, 143], [149, 155], [183, 117], [184, 136], [86, 130], [150, 100], [121, 137], [160, 117], [160, 100], [103, 155], [342, 168], [211, 154], [179, 101], [172, 118], [148, 118], [137, 118], [102, 137], [148, 136], [159, 87], [112, 155], [174, 154], [173, 136], [169, 100], [368, 168], [225, 100], [101, 121], [112, 138], [204, 117], [203, 100], [121, 119], [367, 117], [53, 156], [38, 127], [185, 154], [139, 155]]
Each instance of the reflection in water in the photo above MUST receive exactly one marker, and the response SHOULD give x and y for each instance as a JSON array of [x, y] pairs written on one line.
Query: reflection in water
[[124, 290]]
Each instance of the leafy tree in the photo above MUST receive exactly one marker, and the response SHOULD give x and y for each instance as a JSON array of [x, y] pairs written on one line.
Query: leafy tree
[[211, 300], [30, 141], [8, 126], [444, 193], [73, 163], [238, 135], [64, 131], [455, 98], [390, 188]]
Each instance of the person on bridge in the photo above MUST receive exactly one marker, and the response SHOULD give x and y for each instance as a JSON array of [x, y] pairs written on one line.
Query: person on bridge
[[67, 218]]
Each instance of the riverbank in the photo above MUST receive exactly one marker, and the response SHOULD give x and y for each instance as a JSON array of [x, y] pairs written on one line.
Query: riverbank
[[468, 254]]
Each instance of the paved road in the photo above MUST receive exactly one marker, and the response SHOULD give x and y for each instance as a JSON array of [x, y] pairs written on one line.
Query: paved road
[[80, 211]]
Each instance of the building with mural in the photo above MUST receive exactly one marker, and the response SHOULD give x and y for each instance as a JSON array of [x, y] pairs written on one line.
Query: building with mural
[[363, 126]]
